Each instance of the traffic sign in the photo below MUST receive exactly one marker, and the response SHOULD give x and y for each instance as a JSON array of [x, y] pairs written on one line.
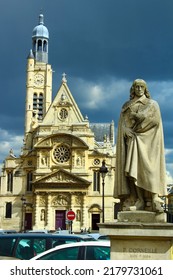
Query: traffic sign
[[70, 215]]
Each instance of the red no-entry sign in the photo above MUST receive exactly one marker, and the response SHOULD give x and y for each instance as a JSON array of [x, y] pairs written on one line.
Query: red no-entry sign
[[71, 215]]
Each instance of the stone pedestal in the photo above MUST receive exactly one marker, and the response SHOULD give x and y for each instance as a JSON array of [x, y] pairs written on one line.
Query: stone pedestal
[[140, 235]]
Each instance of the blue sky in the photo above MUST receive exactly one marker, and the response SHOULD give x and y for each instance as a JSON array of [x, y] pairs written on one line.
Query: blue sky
[[102, 46]]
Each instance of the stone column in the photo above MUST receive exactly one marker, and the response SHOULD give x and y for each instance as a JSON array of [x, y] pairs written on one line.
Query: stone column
[[84, 213], [48, 214], [36, 214]]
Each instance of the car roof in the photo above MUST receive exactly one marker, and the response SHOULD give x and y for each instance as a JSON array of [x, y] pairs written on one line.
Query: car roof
[[76, 244], [38, 231], [97, 235], [82, 236], [6, 231], [47, 235]]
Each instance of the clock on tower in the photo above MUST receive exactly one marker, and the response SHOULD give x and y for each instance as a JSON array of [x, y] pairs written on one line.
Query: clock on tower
[[38, 79]]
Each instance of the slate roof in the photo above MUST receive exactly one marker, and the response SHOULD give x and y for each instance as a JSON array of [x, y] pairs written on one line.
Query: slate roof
[[101, 130]]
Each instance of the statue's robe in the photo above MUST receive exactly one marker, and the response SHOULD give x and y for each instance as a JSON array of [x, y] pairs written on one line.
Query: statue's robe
[[140, 158]]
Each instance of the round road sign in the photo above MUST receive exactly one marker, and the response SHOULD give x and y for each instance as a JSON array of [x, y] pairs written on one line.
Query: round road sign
[[71, 215]]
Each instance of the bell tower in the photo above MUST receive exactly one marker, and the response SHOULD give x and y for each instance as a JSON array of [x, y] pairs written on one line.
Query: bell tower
[[40, 38], [38, 79]]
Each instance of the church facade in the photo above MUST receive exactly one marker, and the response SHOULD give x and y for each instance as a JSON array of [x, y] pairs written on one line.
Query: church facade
[[58, 168]]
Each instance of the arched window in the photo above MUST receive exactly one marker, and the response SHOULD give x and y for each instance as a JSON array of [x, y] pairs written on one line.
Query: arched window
[[8, 210], [35, 101], [41, 97], [29, 182], [39, 47], [45, 46], [10, 181], [38, 105], [96, 181]]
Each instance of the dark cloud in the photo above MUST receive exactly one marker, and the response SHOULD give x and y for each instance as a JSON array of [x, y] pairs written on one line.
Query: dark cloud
[[122, 39], [103, 43]]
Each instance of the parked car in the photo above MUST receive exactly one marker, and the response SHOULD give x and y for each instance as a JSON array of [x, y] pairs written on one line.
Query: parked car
[[61, 232], [27, 245], [98, 236], [38, 231], [92, 250], [7, 231]]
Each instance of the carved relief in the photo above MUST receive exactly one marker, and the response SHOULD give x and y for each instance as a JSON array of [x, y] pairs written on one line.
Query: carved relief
[[78, 200], [63, 114], [61, 200], [78, 160], [61, 177], [42, 201]]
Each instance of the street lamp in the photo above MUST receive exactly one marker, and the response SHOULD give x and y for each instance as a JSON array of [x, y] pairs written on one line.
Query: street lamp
[[23, 199], [103, 170]]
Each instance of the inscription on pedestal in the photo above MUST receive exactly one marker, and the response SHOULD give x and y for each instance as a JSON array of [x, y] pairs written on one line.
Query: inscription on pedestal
[[140, 253], [139, 250]]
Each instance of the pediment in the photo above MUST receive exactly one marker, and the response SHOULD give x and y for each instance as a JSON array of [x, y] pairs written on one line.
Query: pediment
[[65, 102], [58, 138], [61, 177]]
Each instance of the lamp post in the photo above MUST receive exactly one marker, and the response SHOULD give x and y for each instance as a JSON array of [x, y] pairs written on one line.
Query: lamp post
[[23, 199], [103, 170]]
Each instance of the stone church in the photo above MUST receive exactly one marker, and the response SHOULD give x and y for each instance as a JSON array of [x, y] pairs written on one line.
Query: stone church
[[58, 168]]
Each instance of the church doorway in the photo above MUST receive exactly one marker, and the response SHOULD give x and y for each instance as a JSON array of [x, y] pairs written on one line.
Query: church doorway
[[95, 220], [28, 221], [60, 219]]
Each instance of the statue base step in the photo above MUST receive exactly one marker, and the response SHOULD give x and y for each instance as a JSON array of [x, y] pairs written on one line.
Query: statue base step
[[142, 217]]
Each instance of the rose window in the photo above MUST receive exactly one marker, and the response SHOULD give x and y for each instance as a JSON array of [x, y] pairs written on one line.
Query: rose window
[[61, 154], [96, 161]]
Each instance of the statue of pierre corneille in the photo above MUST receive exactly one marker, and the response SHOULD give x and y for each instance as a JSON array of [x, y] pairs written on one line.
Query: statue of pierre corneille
[[140, 174]]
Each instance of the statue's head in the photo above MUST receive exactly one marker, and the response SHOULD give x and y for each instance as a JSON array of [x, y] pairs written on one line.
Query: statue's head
[[139, 82]]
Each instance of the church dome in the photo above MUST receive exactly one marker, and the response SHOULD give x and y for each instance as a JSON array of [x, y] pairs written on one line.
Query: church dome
[[40, 31]]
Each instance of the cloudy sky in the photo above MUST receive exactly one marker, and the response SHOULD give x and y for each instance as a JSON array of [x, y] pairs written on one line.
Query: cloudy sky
[[102, 46]]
